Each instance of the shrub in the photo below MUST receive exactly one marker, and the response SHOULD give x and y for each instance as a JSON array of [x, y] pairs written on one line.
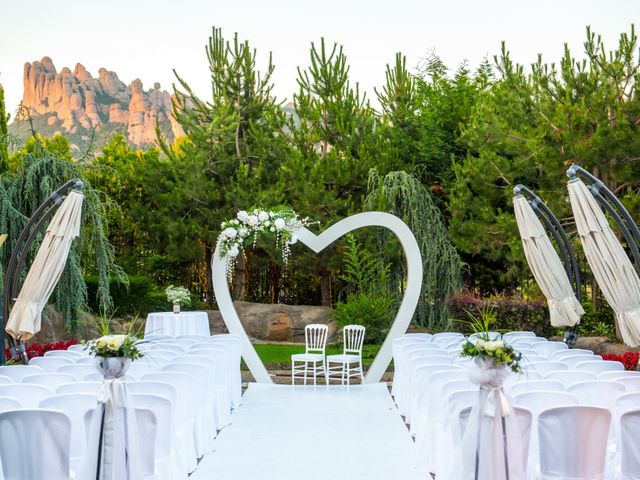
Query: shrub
[[373, 310], [512, 313], [628, 359], [39, 349], [600, 323]]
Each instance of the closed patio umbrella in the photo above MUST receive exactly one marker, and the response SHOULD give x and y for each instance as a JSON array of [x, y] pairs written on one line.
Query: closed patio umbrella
[[24, 319], [609, 262], [564, 308]]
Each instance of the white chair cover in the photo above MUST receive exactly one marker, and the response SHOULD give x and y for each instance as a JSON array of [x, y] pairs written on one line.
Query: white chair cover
[[221, 378], [9, 403], [26, 459], [146, 424], [28, 394], [18, 372], [77, 370], [599, 366], [569, 377], [75, 406], [542, 368], [573, 442], [50, 364], [234, 344], [631, 384], [398, 347], [80, 387], [618, 374], [4, 380], [573, 360], [547, 385], [630, 449], [50, 380], [571, 352], [511, 336], [70, 354], [79, 349], [549, 348]]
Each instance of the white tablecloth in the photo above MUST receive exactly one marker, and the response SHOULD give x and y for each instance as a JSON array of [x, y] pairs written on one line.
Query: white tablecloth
[[175, 324]]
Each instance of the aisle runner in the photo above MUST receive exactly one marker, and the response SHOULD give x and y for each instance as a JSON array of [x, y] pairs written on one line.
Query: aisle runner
[[284, 433]]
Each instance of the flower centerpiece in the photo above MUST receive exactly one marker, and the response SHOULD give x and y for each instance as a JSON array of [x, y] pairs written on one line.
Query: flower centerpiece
[[115, 353], [493, 352], [178, 296], [243, 231]]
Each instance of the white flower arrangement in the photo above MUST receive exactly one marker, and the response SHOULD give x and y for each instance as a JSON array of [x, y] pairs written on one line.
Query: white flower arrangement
[[107, 346], [243, 231], [178, 295]]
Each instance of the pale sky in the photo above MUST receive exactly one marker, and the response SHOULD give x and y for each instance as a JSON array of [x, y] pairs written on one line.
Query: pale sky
[[147, 39]]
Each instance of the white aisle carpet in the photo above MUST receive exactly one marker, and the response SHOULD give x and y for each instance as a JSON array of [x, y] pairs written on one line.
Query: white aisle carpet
[[302, 433]]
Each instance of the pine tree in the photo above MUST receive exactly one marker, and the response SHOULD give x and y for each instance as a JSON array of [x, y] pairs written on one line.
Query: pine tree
[[4, 133]]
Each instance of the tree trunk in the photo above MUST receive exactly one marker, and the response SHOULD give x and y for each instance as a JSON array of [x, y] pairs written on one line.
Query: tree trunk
[[208, 255], [325, 289], [240, 281]]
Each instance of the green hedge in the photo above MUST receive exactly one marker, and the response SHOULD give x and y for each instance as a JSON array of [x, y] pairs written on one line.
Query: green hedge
[[513, 313], [140, 297]]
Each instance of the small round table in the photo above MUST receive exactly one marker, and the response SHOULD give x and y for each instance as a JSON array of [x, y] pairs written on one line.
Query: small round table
[[176, 324]]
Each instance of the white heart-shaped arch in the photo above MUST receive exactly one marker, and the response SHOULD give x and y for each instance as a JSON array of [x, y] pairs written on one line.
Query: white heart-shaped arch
[[318, 243]]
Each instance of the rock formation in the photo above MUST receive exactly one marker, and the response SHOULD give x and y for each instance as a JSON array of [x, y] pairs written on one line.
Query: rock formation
[[75, 100]]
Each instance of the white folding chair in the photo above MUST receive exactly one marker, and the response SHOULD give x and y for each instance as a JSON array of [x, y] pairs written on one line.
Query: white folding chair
[[233, 345], [205, 422], [75, 406], [80, 387], [570, 352], [18, 372], [631, 384], [630, 453], [549, 348], [601, 393], [28, 394], [4, 380], [197, 338], [78, 348], [63, 354], [573, 360], [509, 337], [9, 403], [168, 347], [402, 369], [618, 374], [600, 366], [185, 343], [50, 380], [25, 459], [140, 369], [315, 337], [146, 423], [573, 442], [167, 464], [50, 364], [86, 361], [542, 368], [222, 380], [185, 416], [545, 385], [446, 337], [353, 339], [569, 377], [78, 370]]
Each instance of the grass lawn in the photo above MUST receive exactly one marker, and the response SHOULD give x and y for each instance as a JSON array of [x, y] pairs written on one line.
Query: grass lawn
[[273, 353]]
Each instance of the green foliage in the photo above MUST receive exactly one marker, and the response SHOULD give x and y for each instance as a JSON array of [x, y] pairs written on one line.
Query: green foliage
[[4, 133], [374, 310], [137, 298], [362, 269], [403, 195], [600, 323], [483, 320]]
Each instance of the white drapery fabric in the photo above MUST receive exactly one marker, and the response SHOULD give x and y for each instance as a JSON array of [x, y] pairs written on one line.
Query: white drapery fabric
[[547, 269], [492, 444], [42, 278], [609, 263], [112, 450]]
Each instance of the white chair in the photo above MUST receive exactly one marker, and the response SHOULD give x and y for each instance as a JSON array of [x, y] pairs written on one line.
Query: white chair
[[546, 385], [573, 360], [601, 393], [570, 352], [630, 453], [197, 338], [18, 372], [353, 339], [78, 371], [50, 364], [573, 442], [315, 337], [146, 423], [618, 374], [624, 403], [4, 380], [45, 458], [166, 347], [50, 380], [205, 422], [28, 394], [509, 337], [80, 387], [63, 354], [549, 348], [139, 369], [600, 366], [542, 368], [233, 346], [78, 348], [446, 337], [75, 406], [184, 409], [222, 380], [167, 466], [86, 361], [631, 384], [9, 403], [93, 377], [402, 368], [569, 377]]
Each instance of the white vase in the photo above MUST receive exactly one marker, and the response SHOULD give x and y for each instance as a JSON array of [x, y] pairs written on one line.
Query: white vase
[[176, 307]]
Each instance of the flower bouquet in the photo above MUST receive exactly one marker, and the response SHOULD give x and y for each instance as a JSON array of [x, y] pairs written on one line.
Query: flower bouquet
[[178, 296], [494, 352]]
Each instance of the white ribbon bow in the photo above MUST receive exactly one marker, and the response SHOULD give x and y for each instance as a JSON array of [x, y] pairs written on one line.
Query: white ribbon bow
[[113, 393], [496, 403]]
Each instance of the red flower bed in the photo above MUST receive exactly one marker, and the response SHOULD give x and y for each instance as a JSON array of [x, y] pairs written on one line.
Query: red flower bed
[[39, 349], [628, 359]]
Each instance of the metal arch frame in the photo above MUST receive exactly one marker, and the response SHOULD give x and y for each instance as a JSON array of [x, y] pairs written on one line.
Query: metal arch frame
[[613, 206], [18, 259], [568, 256]]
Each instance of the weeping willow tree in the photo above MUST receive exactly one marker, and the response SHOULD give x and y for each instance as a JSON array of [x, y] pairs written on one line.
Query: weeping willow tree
[[41, 168], [401, 194]]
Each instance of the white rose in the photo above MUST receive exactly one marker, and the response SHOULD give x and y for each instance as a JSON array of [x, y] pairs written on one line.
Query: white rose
[[499, 344], [242, 215], [243, 232], [253, 220], [267, 223], [222, 225], [280, 223], [490, 346], [263, 216], [480, 343], [233, 251], [230, 233]]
